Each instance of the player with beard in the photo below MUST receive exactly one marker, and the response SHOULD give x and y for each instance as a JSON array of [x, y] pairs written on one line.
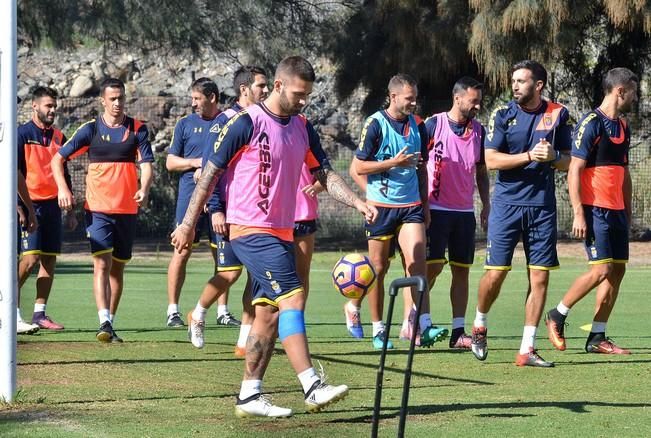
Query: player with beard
[[38, 141], [523, 143], [456, 162], [600, 191], [268, 143]]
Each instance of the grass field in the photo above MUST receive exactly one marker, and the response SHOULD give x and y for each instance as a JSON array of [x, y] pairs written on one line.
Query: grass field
[[157, 384]]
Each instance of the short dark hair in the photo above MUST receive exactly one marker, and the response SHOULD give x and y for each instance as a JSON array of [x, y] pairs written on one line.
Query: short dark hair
[[110, 83], [41, 91], [296, 66], [245, 75], [465, 83], [618, 76], [400, 80], [205, 86], [537, 70]]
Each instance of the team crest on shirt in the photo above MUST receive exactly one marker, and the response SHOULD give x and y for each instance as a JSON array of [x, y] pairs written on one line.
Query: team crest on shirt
[[547, 120]]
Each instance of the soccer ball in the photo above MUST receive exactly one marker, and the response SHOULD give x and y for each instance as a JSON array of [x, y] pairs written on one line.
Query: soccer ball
[[353, 275]]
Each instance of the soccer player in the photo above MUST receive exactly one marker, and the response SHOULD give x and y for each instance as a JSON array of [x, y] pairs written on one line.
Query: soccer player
[[524, 143], [456, 162], [251, 83], [38, 140], [191, 135], [600, 191], [115, 143], [393, 142], [268, 143]]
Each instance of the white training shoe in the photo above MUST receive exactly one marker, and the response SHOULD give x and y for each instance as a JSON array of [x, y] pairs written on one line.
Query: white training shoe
[[25, 328], [259, 406], [195, 331], [322, 395]]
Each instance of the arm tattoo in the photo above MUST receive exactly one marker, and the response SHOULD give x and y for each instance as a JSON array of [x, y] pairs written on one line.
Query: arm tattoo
[[206, 184], [336, 187], [258, 353]]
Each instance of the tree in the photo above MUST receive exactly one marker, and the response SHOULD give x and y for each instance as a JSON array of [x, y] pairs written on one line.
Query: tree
[[263, 31], [578, 41], [423, 38]]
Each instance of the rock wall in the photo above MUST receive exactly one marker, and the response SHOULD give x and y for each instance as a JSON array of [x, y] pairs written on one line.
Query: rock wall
[[158, 89]]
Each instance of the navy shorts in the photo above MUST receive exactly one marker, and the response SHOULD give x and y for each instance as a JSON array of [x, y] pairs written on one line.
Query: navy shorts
[[271, 264], [535, 225], [111, 233], [226, 258], [390, 219], [47, 238], [454, 230], [607, 235], [304, 228]]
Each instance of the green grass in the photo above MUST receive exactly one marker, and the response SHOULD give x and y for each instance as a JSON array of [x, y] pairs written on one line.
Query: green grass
[[157, 384]]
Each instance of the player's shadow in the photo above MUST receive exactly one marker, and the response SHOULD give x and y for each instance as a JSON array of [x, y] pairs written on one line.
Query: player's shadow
[[398, 370], [577, 407]]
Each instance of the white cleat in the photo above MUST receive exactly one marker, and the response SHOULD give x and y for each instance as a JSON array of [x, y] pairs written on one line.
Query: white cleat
[[25, 328], [259, 406], [322, 395], [195, 331]]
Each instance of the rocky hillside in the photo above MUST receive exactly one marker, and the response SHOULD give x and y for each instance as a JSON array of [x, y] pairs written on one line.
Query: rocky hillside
[[157, 89]]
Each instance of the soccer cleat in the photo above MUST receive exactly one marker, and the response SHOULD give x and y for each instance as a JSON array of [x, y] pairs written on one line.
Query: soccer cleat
[[532, 359], [46, 323], [195, 331], [229, 320], [115, 338], [606, 346], [105, 332], [175, 320], [463, 342], [322, 394], [239, 351], [354, 323], [259, 405], [378, 341], [479, 344], [24, 328], [555, 330], [432, 334]]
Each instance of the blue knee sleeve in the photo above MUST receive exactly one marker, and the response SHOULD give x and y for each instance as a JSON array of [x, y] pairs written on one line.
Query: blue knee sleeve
[[290, 322]]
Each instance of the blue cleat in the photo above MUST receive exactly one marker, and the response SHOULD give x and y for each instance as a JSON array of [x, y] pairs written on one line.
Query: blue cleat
[[378, 341], [433, 334]]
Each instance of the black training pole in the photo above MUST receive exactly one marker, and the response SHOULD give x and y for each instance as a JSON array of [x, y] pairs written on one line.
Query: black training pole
[[393, 292], [421, 284], [421, 288]]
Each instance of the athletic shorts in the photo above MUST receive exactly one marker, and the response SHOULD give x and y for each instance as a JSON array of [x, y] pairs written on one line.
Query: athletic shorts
[[607, 235], [271, 264], [111, 233], [454, 230], [304, 228], [390, 219], [535, 225], [47, 238], [226, 260]]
